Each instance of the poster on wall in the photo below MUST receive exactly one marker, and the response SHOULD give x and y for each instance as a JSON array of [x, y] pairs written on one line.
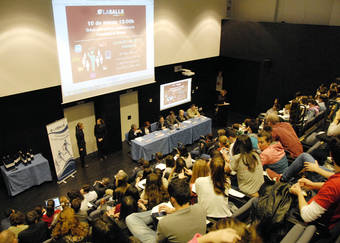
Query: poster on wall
[[60, 143]]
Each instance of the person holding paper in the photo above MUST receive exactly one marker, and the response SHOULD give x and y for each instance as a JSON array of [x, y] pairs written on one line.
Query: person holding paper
[[193, 111], [134, 132]]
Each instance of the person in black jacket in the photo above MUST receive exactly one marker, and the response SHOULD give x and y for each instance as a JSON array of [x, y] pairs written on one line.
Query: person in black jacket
[[37, 231], [81, 143], [100, 134], [162, 124]]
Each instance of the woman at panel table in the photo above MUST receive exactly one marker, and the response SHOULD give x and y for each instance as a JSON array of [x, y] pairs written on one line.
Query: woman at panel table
[[81, 143], [100, 132], [181, 117]]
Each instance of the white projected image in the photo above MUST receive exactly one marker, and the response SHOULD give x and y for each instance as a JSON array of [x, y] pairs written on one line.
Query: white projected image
[[103, 46], [175, 93]]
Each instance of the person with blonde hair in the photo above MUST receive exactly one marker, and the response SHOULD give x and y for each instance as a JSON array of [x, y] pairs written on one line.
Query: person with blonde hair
[[68, 228]]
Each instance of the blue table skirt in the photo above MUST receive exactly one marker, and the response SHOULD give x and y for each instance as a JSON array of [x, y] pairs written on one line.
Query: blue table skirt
[[24, 177], [165, 141]]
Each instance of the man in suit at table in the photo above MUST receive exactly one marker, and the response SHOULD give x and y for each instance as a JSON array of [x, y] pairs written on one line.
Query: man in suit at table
[[193, 111], [134, 132], [162, 124]]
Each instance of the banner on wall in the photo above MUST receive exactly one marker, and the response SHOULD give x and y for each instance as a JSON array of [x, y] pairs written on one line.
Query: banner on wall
[[60, 143]]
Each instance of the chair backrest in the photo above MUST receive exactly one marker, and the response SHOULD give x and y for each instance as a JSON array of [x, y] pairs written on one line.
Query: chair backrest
[[153, 126]]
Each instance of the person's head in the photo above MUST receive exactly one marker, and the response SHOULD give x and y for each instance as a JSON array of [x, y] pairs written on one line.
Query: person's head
[[64, 202], [272, 118], [75, 194], [17, 218], [193, 107], [147, 124], [100, 121], [67, 223], [8, 236], [183, 151], [154, 190], [252, 126], [146, 168], [221, 132], [105, 231], [50, 208], [128, 206], [218, 175], [158, 156], [86, 189], [179, 192], [80, 126], [181, 113], [134, 127], [246, 233], [161, 119], [169, 161], [32, 217], [334, 147], [133, 192], [106, 181], [264, 139], [223, 141], [200, 169], [172, 113], [121, 178], [231, 134], [76, 204], [244, 147], [179, 165]]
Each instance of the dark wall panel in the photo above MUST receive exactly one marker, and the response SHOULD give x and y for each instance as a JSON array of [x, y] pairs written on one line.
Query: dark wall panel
[[301, 57]]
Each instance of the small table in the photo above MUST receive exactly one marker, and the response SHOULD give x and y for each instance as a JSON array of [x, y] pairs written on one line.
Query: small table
[[24, 177]]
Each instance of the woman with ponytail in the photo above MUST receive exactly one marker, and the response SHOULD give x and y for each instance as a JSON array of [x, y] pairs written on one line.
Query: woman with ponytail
[[248, 166], [212, 190]]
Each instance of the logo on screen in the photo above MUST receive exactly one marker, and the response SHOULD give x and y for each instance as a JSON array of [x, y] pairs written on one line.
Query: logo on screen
[[114, 12]]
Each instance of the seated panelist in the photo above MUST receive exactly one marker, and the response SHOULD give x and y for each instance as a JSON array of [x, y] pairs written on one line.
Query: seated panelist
[[181, 117], [172, 119], [162, 124], [147, 128], [193, 111], [134, 132]]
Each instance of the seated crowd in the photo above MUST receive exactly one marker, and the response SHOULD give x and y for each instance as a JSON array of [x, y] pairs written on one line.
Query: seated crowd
[[179, 199]]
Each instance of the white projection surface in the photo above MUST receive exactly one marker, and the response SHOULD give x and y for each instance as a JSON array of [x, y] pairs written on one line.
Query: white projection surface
[[103, 45], [175, 93]]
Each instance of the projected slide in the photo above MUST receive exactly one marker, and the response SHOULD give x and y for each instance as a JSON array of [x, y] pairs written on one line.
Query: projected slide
[[103, 46], [175, 93]]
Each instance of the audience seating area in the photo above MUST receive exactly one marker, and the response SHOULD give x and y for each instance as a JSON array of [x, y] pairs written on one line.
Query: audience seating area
[[229, 179]]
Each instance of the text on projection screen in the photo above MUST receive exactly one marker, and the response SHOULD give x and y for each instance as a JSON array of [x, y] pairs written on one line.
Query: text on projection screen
[[103, 46]]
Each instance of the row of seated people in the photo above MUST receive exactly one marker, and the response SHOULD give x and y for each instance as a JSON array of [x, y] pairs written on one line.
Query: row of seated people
[[125, 207], [303, 109], [170, 120], [134, 215]]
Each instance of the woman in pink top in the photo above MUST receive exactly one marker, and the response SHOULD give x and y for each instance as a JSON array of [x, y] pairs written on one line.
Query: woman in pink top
[[273, 155]]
